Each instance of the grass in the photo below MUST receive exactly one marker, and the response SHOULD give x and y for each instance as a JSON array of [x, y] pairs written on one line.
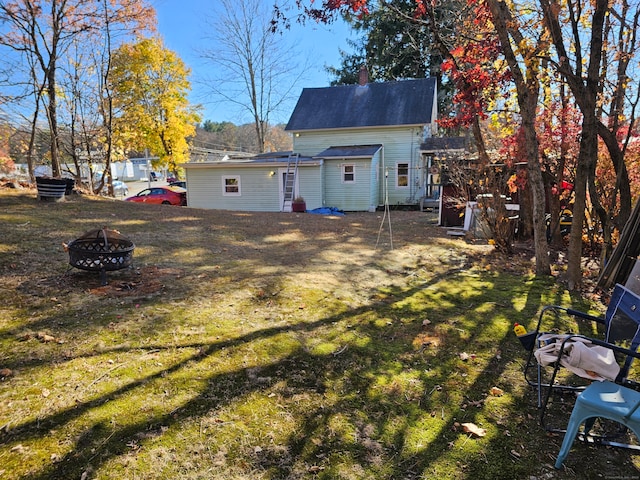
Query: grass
[[267, 346]]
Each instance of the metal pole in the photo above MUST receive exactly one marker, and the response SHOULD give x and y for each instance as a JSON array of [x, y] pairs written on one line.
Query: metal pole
[[146, 155]]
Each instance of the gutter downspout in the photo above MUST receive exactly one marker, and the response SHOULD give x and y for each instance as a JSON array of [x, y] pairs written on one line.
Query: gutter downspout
[[381, 178]]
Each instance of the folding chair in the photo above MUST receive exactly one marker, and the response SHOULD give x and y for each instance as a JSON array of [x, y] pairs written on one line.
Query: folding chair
[[621, 325]]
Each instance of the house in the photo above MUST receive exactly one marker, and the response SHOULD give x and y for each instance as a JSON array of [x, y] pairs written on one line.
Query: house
[[253, 182], [355, 147]]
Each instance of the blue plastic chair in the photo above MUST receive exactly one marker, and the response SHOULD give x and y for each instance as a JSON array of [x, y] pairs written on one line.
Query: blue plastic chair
[[602, 400]]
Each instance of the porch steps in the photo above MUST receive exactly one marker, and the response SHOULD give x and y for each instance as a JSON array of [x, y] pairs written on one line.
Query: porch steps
[[290, 176]]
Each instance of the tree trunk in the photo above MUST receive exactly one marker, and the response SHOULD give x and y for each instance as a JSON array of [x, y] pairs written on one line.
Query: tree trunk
[[528, 112], [588, 143], [623, 186], [574, 253], [32, 139], [527, 86]]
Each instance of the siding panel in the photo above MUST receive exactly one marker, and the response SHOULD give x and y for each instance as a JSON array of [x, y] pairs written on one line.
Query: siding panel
[[350, 197], [400, 145], [259, 191]]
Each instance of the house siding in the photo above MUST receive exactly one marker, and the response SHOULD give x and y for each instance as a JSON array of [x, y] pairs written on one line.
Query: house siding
[[311, 186], [400, 145], [259, 191], [351, 197]]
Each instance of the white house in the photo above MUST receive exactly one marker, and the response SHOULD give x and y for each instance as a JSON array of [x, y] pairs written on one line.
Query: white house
[[355, 148]]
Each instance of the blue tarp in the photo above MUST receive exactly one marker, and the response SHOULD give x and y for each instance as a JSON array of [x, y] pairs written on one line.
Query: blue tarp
[[326, 211]]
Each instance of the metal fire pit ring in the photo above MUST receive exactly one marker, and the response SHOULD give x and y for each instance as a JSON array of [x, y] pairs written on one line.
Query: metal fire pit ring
[[102, 250]]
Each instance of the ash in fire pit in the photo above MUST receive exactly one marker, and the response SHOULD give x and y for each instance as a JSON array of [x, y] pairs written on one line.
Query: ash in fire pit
[[101, 250]]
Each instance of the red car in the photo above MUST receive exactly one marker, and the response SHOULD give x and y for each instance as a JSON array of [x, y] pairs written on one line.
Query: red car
[[161, 195]]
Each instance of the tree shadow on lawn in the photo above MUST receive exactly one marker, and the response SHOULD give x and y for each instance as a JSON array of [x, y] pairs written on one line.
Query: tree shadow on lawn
[[374, 409], [369, 416], [149, 284]]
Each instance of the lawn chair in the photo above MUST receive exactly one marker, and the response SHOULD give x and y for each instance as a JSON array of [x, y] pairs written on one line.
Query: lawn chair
[[607, 400], [620, 327]]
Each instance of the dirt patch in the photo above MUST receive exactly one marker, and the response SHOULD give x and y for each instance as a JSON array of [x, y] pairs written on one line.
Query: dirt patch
[[138, 282]]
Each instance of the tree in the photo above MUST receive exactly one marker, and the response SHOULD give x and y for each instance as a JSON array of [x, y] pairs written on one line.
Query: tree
[[152, 110], [118, 20], [42, 31], [394, 45], [7, 164], [607, 92], [586, 88], [52, 40], [254, 65], [348, 73]]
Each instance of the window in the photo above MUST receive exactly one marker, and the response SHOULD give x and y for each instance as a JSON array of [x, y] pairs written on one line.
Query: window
[[402, 175], [231, 186], [348, 173]]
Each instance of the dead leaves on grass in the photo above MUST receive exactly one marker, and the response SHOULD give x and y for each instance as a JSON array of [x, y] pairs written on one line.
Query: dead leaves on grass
[[496, 392], [473, 429], [426, 339], [41, 336]]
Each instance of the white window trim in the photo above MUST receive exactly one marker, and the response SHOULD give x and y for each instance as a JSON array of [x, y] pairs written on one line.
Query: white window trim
[[224, 186], [343, 173], [398, 186]]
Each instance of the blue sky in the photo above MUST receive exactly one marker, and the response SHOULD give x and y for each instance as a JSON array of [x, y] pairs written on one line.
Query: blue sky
[[181, 24]]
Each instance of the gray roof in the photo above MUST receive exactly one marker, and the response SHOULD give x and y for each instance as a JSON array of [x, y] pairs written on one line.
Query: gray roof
[[435, 144], [407, 102], [355, 151], [271, 159]]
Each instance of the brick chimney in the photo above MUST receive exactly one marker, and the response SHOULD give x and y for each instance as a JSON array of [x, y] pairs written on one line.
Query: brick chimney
[[363, 75]]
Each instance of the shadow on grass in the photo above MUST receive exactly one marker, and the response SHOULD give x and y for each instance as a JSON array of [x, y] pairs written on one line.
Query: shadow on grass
[[380, 406], [370, 414]]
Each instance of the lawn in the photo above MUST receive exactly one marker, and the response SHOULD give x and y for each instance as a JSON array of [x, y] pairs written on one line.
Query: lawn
[[268, 346]]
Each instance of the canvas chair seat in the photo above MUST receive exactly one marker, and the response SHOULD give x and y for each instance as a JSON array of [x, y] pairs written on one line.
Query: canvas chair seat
[[579, 355]]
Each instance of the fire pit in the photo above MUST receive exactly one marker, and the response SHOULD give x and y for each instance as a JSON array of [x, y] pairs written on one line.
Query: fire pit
[[101, 250]]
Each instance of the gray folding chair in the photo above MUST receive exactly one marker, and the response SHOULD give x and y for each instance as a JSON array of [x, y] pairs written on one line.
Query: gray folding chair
[[620, 327]]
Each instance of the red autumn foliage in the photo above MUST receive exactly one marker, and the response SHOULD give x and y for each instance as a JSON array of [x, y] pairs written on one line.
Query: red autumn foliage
[[475, 69]]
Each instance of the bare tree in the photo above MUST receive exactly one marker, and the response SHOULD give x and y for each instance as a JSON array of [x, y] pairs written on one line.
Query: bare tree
[[253, 62], [89, 99], [42, 33]]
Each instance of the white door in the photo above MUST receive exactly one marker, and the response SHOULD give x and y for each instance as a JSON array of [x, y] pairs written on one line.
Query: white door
[[282, 175]]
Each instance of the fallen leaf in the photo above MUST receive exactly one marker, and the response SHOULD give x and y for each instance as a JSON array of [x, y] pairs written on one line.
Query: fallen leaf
[[474, 429], [424, 340], [45, 392], [464, 356], [43, 337], [6, 372], [426, 322], [496, 392]]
